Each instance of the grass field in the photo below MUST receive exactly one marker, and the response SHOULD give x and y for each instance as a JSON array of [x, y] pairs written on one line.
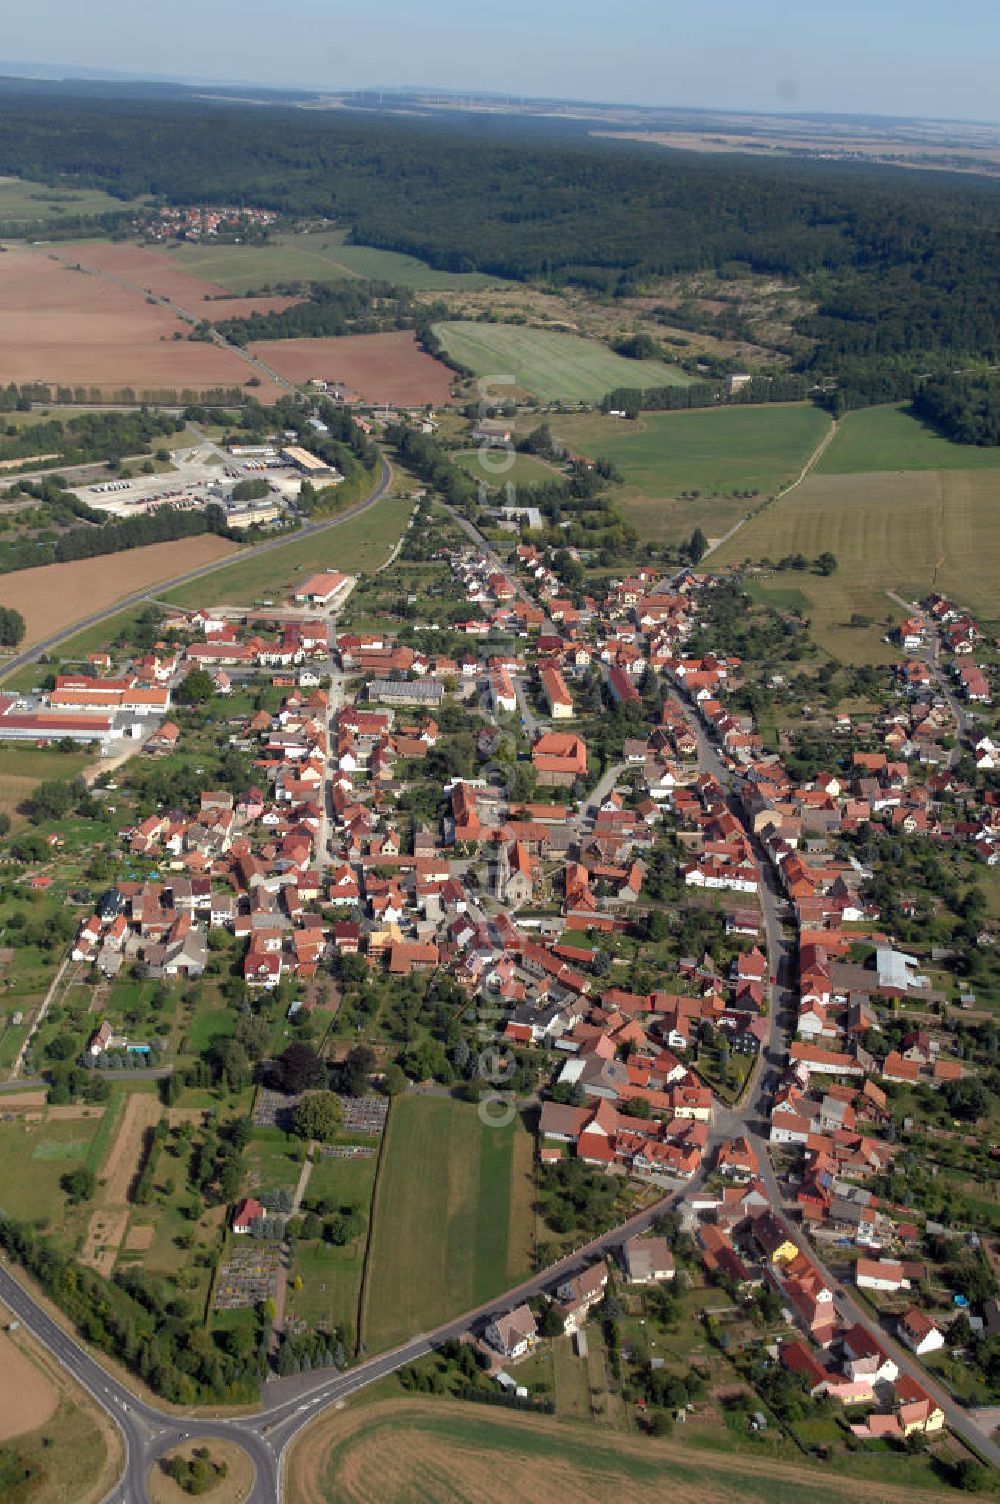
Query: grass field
[[708, 450], [525, 470], [357, 546], [408, 1450], [23, 768], [556, 367], [316, 257], [34, 1155], [453, 1221], [887, 438], [23, 202], [908, 533]]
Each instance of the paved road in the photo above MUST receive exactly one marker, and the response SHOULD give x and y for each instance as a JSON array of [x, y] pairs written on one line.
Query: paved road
[[32, 654], [288, 1404], [473, 533], [930, 654], [752, 1117]]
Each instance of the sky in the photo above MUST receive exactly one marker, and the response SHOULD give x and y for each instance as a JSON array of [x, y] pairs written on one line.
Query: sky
[[883, 57]]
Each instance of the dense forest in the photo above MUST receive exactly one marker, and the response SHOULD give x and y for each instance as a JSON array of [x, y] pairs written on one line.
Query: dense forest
[[965, 408], [902, 270]]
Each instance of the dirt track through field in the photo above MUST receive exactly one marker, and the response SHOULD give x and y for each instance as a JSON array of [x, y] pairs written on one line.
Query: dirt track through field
[[399, 1450], [156, 270], [119, 1170]]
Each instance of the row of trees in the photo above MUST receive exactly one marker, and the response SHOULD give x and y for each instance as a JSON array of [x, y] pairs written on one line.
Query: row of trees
[[89, 542]]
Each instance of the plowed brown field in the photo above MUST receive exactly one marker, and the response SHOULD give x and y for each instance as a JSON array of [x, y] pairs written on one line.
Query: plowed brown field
[[80, 328], [27, 1399], [153, 269], [57, 595], [375, 367]]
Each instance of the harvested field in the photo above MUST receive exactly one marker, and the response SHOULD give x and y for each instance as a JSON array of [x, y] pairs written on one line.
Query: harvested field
[[103, 1239], [78, 328], [235, 1486], [57, 595], [374, 367], [72, 1111], [73, 1450], [905, 532], [23, 1101], [158, 272], [120, 1167], [397, 1451], [27, 1399]]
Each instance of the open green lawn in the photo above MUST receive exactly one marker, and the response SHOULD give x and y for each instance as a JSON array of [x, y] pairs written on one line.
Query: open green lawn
[[320, 256], [274, 1161], [888, 438], [208, 1025], [22, 768], [908, 533], [524, 469], [450, 1217], [556, 367], [715, 451], [357, 546], [23, 202], [33, 1156]]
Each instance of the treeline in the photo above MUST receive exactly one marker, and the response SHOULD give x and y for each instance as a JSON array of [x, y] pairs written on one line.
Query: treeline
[[422, 454], [133, 1319], [346, 308], [897, 265], [162, 526], [965, 408], [788, 387], [14, 398]]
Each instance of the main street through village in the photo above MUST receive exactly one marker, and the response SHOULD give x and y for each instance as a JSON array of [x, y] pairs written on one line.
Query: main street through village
[[290, 1404]]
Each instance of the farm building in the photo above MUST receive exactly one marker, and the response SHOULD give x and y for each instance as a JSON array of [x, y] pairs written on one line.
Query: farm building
[[322, 589]]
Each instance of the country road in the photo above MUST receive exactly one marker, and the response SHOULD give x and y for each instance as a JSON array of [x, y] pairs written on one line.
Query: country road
[[311, 529], [807, 470]]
